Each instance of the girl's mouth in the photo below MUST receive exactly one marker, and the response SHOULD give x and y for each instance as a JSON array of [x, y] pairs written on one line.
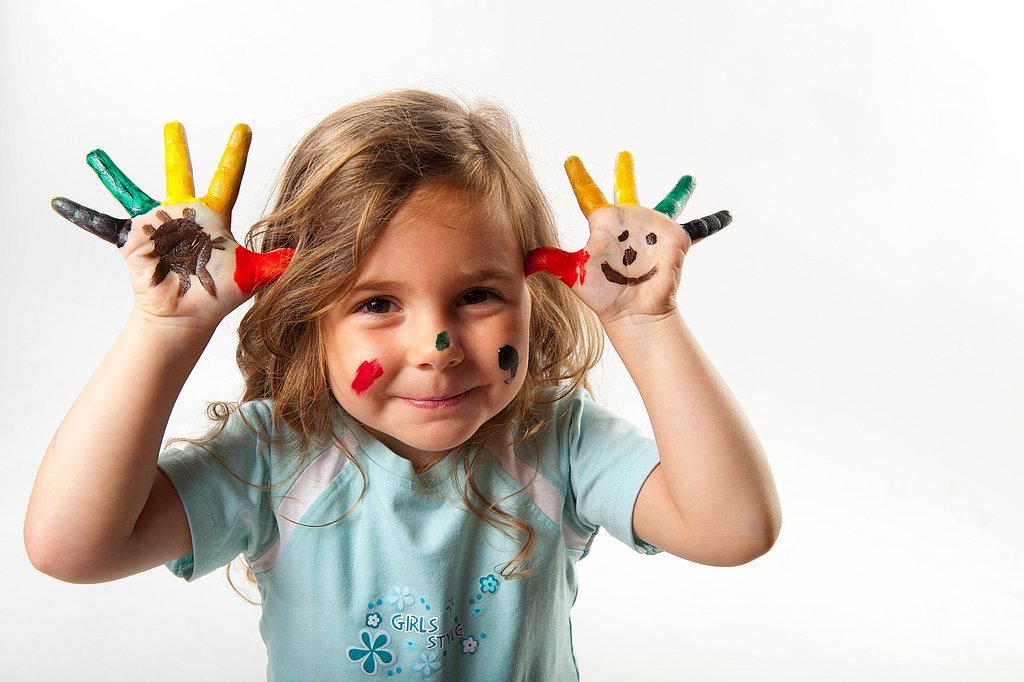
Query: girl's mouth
[[437, 403]]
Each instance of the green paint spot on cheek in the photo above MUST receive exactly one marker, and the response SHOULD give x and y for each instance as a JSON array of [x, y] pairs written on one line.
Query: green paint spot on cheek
[[442, 341]]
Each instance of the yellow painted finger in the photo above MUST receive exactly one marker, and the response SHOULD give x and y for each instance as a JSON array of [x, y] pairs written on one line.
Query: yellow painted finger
[[625, 181], [228, 177], [588, 194], [177, 165]]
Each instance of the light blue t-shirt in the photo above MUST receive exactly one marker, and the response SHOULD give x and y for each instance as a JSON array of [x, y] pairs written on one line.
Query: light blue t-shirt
[[407, 585]]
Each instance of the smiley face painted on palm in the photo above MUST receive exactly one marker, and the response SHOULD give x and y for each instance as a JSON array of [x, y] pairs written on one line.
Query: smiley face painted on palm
[[629, 256]]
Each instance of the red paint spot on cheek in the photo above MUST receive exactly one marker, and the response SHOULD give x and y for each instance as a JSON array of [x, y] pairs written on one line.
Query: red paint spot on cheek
[[367, 373], [255, 269], [562, 264]]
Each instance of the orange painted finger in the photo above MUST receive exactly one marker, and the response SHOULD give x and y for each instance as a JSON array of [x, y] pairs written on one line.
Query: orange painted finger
[[177, 165], [588, 194], [228, 178], [625, 181]]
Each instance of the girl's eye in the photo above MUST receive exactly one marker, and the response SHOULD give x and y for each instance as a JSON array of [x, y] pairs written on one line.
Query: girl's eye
[[478, 296], [376, 306]]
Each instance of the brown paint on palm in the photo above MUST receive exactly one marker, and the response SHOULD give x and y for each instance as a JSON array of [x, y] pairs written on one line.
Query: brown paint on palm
[[181, 246]]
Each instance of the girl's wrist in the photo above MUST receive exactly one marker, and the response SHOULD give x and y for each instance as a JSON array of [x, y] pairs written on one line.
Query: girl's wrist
[[177, 331]]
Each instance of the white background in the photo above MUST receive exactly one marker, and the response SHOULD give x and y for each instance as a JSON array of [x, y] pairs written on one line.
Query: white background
[[865, 305]]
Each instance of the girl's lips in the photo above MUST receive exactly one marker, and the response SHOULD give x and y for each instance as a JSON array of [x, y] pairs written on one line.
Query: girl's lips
[[437, 403]]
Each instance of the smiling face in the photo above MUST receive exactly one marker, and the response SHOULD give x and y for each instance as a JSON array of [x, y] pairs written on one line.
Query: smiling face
[[413, 350]]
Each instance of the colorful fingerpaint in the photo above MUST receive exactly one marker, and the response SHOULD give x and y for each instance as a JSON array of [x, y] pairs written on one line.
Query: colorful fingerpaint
[[616, 277], [674, 202], [227, 179], [508, 360], [127, 193], [442, 341], [563, 264], [254, 269], [177, 165], [107, 228], [367, 373], [707, 226], [588, 194], [181, 246], [625, 181]]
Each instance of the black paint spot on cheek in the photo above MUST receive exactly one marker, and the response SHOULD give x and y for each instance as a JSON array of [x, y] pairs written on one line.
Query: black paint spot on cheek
[[628, 256], [508, 360], [624, 236], [652, 238]]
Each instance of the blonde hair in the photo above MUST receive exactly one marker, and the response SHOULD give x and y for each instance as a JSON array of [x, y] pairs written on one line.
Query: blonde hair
[[344, 181]]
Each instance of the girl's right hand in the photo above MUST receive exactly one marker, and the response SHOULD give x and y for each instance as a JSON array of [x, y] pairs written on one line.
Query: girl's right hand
[[185, 266]]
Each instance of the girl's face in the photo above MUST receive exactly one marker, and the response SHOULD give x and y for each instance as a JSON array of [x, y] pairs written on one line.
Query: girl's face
[[433, 340]]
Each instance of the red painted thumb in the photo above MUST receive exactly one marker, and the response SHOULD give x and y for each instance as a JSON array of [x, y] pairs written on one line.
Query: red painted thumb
[[562, 264], [254, 269]]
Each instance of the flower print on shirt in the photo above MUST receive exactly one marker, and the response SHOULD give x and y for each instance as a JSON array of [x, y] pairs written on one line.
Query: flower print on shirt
[[469, 645], [429, 664], [489, 583], [400, 597], [374, 649], [373, 620]]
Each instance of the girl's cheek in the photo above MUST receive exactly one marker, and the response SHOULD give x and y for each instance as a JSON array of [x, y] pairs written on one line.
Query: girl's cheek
[[367, 373]]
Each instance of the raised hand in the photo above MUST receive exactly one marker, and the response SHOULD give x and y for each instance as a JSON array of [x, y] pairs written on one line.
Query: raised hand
[[184, 236], [632, 262]]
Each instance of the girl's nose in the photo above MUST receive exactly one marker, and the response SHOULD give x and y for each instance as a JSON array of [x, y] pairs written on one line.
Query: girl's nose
[[437, 350]]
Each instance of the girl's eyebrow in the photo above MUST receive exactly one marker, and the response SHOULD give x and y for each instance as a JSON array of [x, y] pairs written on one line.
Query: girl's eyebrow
[[482, 275]]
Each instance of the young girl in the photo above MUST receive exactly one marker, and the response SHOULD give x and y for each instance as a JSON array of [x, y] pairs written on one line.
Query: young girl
[[414, 469]]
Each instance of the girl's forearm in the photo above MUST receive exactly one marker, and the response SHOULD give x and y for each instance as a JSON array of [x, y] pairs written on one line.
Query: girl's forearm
[[99, 468], [715, 468]]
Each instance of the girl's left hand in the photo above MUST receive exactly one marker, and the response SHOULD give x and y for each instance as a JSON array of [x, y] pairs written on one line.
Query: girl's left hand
[[632, 263]]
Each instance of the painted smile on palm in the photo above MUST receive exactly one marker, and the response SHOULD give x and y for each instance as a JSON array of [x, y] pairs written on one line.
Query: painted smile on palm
[[628, 258]]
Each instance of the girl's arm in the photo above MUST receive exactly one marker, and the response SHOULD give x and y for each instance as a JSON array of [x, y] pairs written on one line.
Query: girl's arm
[[100, 509], [712, 499]]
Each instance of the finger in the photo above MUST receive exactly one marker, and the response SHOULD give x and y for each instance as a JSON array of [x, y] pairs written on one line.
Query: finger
[[707, 226], [253, 269], [177, 164], [108, 228], [588, 194], [673, 203], [625, 181], [228, 178], [566, 266], [127, 193]]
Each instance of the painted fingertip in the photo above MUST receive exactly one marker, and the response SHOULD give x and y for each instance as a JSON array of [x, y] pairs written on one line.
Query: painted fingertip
[[254, 269], [120, 186], [107, 228], [707, 226], [241, 135], [675, 201], [569, 267]]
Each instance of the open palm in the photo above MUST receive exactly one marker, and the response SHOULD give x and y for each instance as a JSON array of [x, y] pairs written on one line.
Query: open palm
[[182, 259], [633, 260]]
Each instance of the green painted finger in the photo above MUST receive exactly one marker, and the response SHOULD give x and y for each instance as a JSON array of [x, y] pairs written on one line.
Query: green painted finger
[[673, 203], [127, 193]]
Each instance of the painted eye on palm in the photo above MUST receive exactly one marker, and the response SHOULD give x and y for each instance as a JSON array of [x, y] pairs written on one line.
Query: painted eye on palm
[[570, 266], [183, 245]]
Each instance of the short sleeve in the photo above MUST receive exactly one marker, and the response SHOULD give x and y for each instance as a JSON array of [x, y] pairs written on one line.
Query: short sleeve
[[609, 461], [223, 485]]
